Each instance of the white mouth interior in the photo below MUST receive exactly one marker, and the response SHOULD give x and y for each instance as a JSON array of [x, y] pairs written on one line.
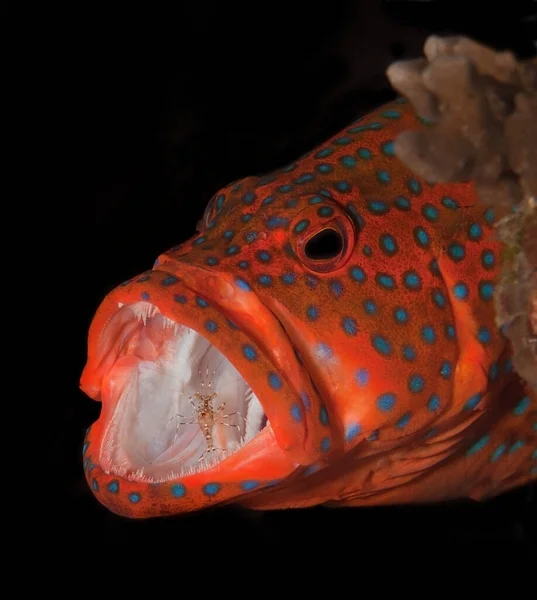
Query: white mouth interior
[[184, 407]]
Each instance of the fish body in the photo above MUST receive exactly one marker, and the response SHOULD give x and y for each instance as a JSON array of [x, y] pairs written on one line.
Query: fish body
[[340, 312]]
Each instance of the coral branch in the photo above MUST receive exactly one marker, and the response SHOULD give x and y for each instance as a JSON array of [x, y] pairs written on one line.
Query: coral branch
[[482, 108]]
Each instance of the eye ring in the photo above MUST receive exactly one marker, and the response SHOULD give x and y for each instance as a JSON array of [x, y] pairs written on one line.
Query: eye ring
[[327, 246]]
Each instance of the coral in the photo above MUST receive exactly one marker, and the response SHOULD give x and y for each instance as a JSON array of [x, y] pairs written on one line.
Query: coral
[[482, 109]]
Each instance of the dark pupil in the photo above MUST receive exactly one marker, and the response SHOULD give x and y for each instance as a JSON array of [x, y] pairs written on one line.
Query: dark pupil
[[325, 244]]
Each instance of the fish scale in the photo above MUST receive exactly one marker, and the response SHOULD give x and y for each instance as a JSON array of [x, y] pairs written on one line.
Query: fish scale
[[380, 366]]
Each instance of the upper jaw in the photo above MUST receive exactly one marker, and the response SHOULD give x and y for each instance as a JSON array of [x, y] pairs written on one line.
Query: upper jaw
[[122, 428]]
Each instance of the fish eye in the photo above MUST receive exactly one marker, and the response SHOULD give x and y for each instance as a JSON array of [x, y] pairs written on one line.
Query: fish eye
[[324, 245]]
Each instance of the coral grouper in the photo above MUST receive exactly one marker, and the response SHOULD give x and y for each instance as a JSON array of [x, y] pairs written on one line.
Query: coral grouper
[[327, 337]]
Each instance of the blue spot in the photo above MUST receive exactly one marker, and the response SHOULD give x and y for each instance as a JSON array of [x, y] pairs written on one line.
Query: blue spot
[[296, 412], [516, 446], [412, 280], [388, 244], [246, 218], [486, 290], [288, 278], [350, 326], [403, 421], [428, 334], [312, 312], [268, 200], [386, 281], [169, 280], [357, 274], [323, 351], [323, 416], [243, 264], [484, 335], [211, 326], [211, 261], [211, 488], [391, 114], [387, 148], [433, 267], [402, 203], [374, 436], [439, 299], [249, 485], [134, 497], [277, 222], [248, 198], [479, 445], [227, 235], [409, 353], [362, 377], [414, 186], [383, 176], [144, 278], [178, 490], [336, 287], [274, 381], [367, 250], [377, 207], [265, 279], [249, 352], [456, 252], [250, 237], [145, 296], [352, 431], [285, 188], [243, 285], [301, 226], [315, 200], [310, 470], [475, 233], [342, 141], [489, 216], [305, 177], [487, 259], [324, 153], [522, 406], [113, 486], [364, 153], [385, 402], [472, 402], [348, 161], [95, 485], [325, 444], [199, 240], [325, 211], [421, 237], [497, 453], [433, 403], [233, 249], [446, 369], [84, 448], [449, 202], [370, 307], [401, 315], [220, 201], [289, 168], [493, 372], [305, 400], [201, 302], [343, 186], [430, 212], [381, 345], [449, 330], [324, 168], [416, 383], [460, 291], [263, 256]]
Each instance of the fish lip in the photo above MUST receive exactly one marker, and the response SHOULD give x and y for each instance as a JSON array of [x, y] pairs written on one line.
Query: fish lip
[[186, 317]]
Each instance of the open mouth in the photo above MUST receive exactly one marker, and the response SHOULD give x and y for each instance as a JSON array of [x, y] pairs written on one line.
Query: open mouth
[[178, 405]]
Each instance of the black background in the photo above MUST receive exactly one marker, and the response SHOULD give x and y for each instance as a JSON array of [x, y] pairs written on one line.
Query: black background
[[166, 107]]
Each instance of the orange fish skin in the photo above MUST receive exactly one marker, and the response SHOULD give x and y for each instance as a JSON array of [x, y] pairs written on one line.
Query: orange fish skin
[[380, 368]]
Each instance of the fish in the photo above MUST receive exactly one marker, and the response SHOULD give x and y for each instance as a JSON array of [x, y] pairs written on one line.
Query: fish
[[326, 337]]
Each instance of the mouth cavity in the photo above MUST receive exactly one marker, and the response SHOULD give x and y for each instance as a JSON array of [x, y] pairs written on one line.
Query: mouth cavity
[[179, 405]]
